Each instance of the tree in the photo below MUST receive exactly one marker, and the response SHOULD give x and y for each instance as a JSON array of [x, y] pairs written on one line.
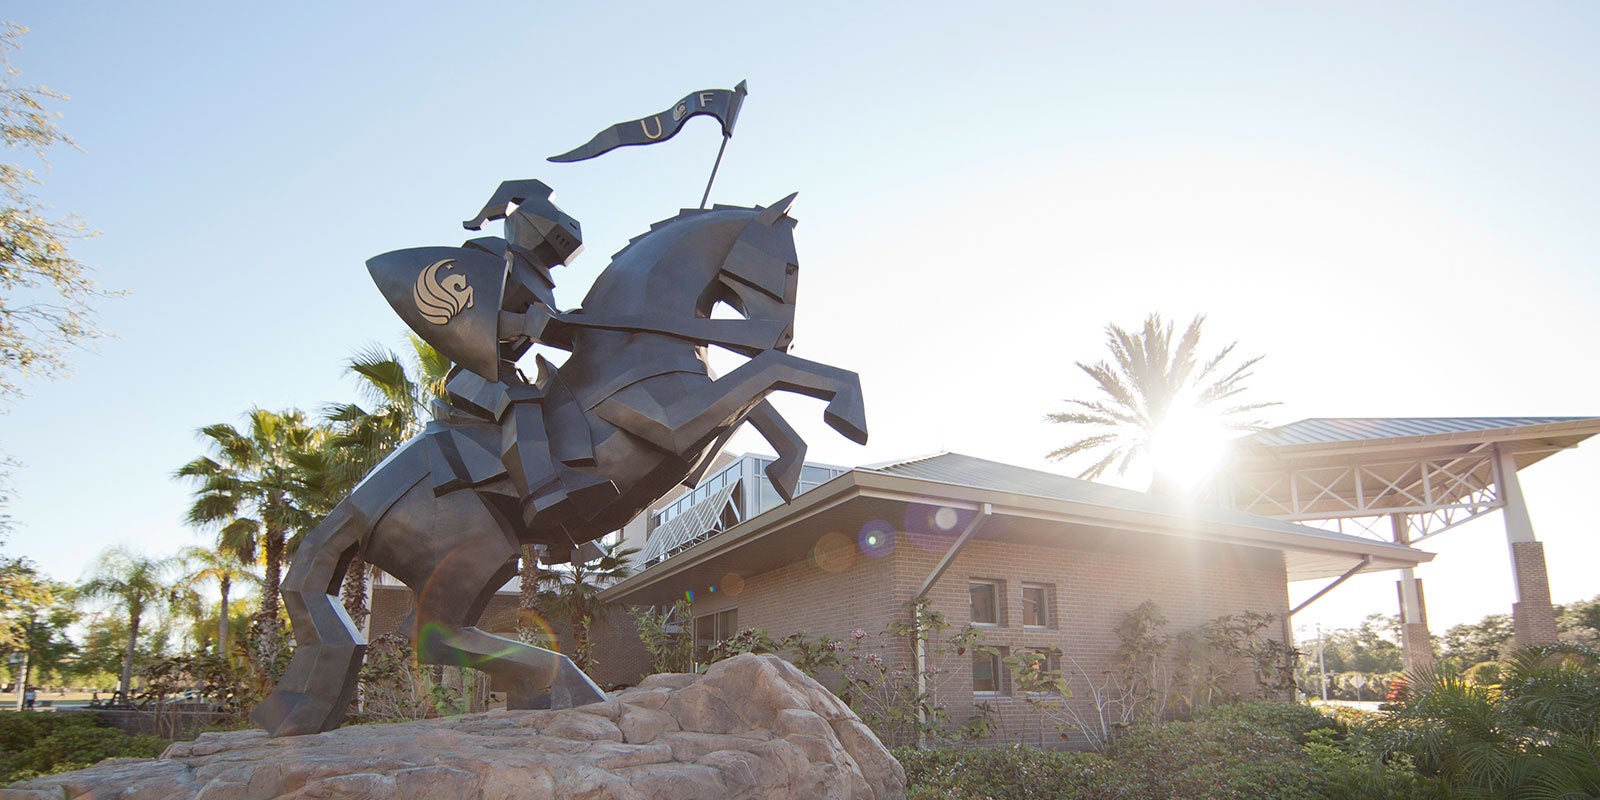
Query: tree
[[203, 565], [22, 589], [575, 592], [134, 583], [399, 397], [45, 293], [253, 491], [1155, 389], [1486, 640], [34, 614]]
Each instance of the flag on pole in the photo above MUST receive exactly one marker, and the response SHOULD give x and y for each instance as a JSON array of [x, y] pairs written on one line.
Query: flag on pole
[[720, 103]]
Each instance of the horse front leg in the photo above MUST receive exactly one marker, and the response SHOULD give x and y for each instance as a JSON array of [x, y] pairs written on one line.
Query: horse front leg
[[691, 422], [783, 472]]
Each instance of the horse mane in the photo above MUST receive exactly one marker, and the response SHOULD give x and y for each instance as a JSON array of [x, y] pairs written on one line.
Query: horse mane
[[683, 214]]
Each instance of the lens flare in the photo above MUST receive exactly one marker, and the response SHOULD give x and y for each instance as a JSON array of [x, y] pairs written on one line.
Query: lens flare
[[834, 552], [928, 526], [876, 539], [733, 584]]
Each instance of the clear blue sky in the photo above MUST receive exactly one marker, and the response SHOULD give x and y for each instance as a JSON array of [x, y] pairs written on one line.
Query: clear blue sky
[[1395, 203]]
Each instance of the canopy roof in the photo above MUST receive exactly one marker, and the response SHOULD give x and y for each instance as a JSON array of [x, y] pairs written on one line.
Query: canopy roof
[[1439, 471], [1027, 506], [1324, 435]]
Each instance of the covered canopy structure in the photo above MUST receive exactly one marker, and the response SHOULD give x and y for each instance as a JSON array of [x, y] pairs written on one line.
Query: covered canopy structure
[[1404, 480]]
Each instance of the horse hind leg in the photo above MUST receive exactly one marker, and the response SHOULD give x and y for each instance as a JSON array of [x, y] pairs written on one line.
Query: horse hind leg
[[446, 634], [321, 679]]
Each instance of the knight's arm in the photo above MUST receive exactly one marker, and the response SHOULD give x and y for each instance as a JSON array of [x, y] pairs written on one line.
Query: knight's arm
[[540, 323]]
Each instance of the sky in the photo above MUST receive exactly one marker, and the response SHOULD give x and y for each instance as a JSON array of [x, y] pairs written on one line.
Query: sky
[[1393, 203]]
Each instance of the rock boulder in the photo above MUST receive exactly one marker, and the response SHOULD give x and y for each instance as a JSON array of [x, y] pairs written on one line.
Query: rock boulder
[[751, 727]]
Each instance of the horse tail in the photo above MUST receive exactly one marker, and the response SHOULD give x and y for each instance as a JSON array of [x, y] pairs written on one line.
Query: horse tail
[[321, 679]]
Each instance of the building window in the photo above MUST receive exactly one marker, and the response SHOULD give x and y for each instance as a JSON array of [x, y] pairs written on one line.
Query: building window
[[1035, 606], [985, 672], [712, 628], [985, 602], [1040, 671]]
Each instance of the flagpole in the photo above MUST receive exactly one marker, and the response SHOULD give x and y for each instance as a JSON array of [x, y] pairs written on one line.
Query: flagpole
[[713, 178]]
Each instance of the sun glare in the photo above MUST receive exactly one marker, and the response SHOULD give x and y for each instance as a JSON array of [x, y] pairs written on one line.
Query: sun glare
[[1187, 446]]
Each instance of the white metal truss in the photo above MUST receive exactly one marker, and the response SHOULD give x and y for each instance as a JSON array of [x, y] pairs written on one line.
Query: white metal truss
[[699, 522], [1434, 494]]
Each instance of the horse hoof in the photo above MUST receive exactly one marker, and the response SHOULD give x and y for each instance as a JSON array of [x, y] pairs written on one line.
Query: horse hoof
[[291, 714], [852, 426]]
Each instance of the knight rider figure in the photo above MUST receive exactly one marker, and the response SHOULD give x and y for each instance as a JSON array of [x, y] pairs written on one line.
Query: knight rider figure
[[486, 387]]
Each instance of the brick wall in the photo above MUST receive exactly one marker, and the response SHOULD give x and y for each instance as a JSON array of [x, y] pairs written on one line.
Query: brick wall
[[621, 659], [1091, 588]]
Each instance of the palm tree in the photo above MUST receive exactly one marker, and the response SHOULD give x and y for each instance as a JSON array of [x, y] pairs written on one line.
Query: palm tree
[[204, 565], [134, 583], [1152, 385], [1533, 735], [400, 396], [575, 592], [254, 491]]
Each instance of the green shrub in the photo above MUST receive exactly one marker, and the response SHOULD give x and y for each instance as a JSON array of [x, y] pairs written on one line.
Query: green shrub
[[1007, 773], [1251, 750], [1223, 757], [42, 744], [1298, 720], [1346, 769]]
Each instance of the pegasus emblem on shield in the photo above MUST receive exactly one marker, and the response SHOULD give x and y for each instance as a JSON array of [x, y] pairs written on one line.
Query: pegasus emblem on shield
[[439, 301]]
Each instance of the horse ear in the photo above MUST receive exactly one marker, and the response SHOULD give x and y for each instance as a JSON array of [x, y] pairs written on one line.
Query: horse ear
[[775, 212]]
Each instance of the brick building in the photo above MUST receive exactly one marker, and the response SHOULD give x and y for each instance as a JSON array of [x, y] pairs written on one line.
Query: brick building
[[1034, 559]]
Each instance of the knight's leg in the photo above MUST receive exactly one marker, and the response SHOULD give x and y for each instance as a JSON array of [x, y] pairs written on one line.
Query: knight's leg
[[446, 634], [550, 492], [692, 421]]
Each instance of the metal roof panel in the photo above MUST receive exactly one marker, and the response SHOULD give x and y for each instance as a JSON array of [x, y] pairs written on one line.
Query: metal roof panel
[[1327, 430]]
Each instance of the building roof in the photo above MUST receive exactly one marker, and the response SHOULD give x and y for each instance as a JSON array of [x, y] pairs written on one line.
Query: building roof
[[1348, 468], [1351, 429], [1025, 505]]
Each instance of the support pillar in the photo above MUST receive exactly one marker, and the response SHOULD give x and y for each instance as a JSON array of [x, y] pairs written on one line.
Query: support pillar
[[1416, 642], [1533, 617]]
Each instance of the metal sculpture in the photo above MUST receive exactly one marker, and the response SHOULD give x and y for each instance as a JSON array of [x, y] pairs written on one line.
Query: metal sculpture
[[562, 460]]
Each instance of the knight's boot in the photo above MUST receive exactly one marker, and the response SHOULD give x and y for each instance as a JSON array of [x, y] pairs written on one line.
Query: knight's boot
[[572, 495], [572, 687]]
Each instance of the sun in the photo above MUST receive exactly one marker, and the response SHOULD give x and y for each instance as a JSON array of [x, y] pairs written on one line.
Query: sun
[[1187, 446]]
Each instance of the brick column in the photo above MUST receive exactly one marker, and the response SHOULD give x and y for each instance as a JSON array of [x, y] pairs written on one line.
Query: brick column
[[1416, 643], [1533, 618]]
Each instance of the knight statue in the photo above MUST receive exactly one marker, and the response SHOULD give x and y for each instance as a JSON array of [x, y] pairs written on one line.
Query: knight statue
[[563, 459]]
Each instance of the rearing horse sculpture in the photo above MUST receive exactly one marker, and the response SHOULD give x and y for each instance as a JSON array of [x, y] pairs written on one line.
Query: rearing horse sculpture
[[632, 413]]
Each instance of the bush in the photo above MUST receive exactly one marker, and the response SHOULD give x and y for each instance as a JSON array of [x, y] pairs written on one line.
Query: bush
[[1015, 772], [42, 744], [1298, 720], [1228, 756], [1248, 750]]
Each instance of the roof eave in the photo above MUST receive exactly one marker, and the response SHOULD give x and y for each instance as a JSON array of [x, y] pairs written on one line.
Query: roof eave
[[859, 483]]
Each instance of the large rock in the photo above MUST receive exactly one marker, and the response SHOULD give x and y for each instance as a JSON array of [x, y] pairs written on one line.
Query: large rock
[[751, 727]]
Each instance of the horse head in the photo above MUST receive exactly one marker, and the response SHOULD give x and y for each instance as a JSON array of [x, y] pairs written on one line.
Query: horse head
[[760, 276]]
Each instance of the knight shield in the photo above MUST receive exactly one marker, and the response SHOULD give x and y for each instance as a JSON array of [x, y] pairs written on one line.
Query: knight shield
[[449, 296]]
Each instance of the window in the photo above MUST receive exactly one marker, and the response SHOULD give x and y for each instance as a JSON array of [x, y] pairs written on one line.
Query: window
[[712, 628], [985, 672], [1035, 606], [1040, 672], [985, 602]]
